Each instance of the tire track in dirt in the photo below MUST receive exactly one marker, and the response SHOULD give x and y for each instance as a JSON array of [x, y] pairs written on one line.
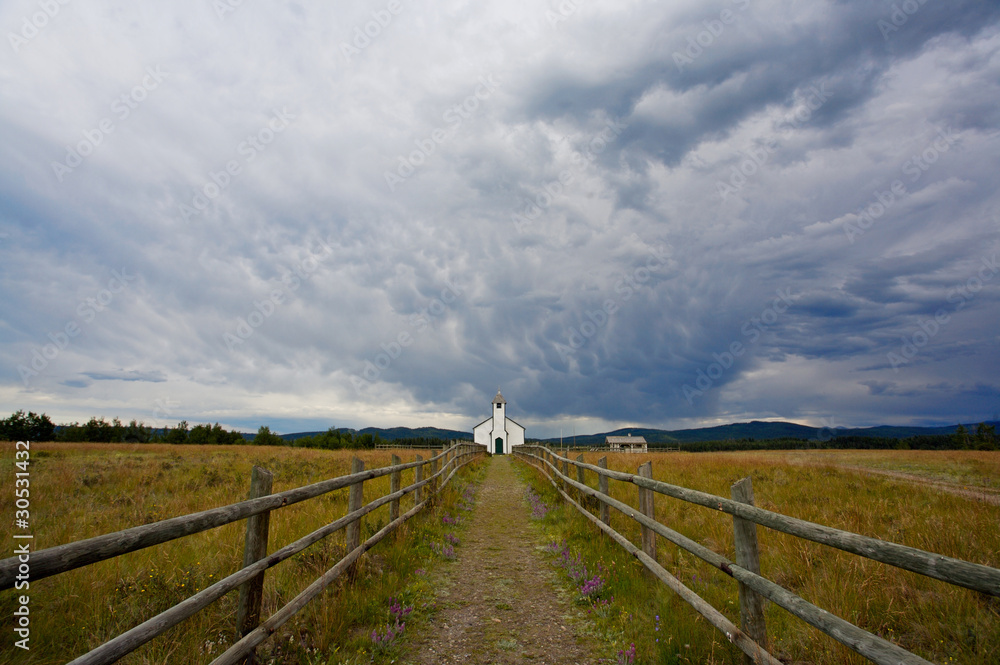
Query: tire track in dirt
[[497, 601], [984, 494]]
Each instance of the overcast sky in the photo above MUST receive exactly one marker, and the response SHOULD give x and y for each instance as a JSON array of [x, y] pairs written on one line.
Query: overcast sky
[[305, 214]]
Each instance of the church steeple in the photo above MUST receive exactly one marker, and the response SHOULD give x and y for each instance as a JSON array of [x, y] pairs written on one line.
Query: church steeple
[[499, 398]]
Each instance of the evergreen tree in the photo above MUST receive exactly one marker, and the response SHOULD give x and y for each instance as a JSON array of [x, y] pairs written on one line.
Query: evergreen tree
[[961, 437], [27, 427], [986, 438], [178, 434], [266, 438]]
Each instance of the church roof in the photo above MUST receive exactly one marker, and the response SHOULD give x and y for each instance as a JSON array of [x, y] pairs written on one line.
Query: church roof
[[499, 398]]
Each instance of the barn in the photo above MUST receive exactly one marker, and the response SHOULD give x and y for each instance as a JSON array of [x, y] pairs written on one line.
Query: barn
[[626, 444]]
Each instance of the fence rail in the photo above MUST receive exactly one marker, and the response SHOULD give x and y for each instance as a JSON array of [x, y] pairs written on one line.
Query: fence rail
[[391, 445], [63, 558], [752, 586]]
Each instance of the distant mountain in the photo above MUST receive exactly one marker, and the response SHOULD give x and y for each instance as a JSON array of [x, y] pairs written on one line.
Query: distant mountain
[[759, 431], [393, 433]]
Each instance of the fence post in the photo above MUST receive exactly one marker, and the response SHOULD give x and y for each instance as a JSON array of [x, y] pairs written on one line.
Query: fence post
[[418, 475], [435, 482], [355, 498], [394, 479], [602, 485], [646, 508], [565, 472], [748, 556], [580, 477], [254, 549]]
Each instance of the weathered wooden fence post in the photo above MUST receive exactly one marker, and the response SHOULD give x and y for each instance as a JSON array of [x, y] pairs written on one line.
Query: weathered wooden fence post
[[355, 498], [580, 478], [602, 485], [418, 475], [394, 481], [647, 509], [565, 472], [254, 549], [434, 483], [748, 556]]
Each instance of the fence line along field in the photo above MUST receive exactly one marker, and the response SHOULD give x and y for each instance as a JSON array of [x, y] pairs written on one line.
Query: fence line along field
[[937, 501], [941, 622], [85, 490]]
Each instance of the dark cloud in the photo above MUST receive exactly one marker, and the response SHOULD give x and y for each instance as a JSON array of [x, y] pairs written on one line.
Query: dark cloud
[[315, 237]]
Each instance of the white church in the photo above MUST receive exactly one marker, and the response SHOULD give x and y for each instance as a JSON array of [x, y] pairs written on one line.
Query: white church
[[498, 432]]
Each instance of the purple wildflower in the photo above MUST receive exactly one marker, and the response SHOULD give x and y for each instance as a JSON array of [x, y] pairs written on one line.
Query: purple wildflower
[[627, 657], [383, 641], [398, 610]]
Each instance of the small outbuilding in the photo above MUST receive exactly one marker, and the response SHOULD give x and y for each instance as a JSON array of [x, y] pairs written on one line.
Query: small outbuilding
[[627, 444]]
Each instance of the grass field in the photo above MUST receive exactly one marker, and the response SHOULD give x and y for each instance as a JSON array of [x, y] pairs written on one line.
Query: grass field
[[80, 490], [935, 508], [84, 490]]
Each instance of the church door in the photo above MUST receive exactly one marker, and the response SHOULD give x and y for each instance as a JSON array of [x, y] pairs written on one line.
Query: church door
[[499, 446]]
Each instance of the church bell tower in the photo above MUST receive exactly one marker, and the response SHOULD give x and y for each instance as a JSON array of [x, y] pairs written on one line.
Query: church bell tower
[[498, 435]]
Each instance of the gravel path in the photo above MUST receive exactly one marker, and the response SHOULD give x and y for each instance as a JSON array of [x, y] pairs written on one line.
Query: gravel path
[[498, 602]]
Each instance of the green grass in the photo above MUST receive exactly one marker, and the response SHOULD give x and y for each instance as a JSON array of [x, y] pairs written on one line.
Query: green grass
[[938, 621], [84, 490]]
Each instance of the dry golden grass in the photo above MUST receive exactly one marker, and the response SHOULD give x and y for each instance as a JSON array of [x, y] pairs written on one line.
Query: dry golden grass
[[938, 621], [83, 490]]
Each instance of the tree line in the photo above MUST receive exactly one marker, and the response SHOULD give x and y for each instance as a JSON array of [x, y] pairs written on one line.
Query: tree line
[[21, 426]]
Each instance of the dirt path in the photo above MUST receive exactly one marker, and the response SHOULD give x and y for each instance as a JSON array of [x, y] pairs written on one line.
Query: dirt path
[[985, 494], [498, 602]]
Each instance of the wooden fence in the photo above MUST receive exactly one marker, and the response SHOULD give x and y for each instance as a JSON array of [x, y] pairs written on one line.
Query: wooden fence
[[753, 589], [250, 579], [391, 445]]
